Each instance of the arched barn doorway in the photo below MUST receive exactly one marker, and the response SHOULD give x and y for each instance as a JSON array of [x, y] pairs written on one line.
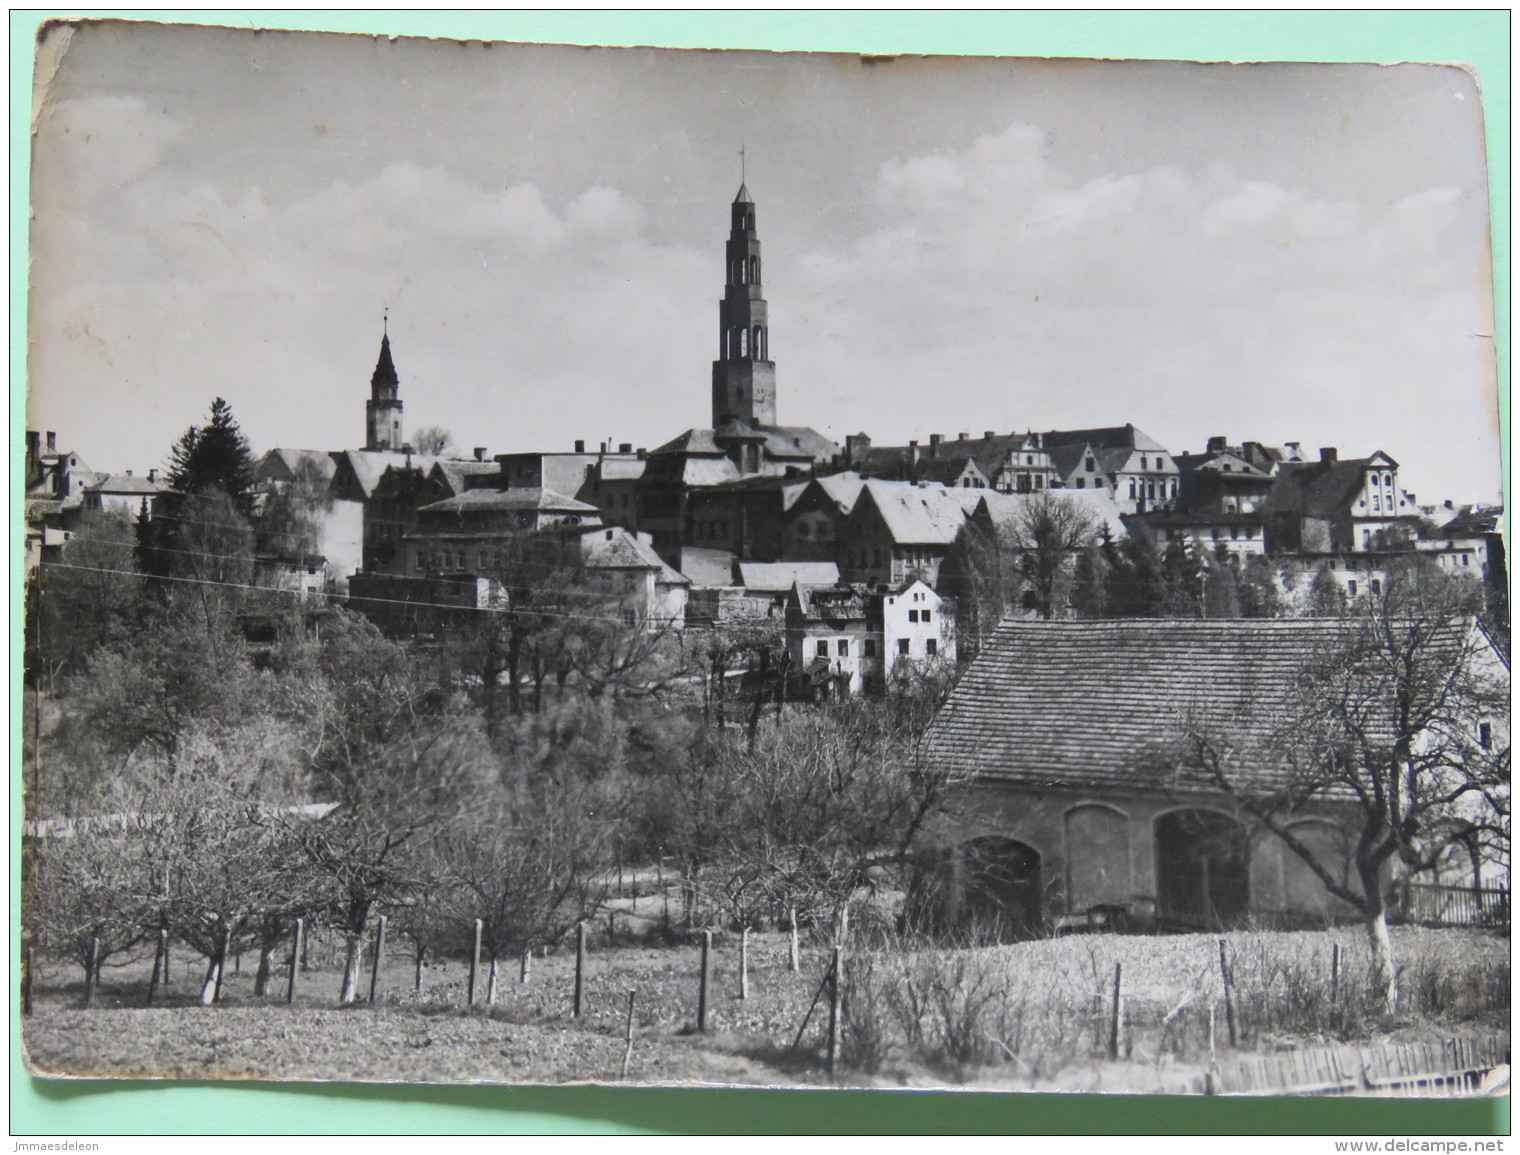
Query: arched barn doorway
[[1203, 872], [1001, 895]]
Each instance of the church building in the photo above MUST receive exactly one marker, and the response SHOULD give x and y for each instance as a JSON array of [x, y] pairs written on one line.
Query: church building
[[745, 440]]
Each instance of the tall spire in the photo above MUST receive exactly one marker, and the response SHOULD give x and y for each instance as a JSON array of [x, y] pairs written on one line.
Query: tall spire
[[382, 412], [744, 377]]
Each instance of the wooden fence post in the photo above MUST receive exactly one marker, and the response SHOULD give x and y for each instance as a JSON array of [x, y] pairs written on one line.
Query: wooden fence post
[[302, 939], [836, 995], [706, 979], [796, 956], [628, 1033], [1114, 1029], [1229, 1004], [92, 968], [27, 978], [744, 963], [491, 983], [527, 965], [475, 959], [1335, 972], [297, 958], [374, 970], [580, 966], [159, 950], [418, 958], [166, 960]]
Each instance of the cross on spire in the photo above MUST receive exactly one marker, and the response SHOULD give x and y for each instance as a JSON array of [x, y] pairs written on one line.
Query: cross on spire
[[742, 175]]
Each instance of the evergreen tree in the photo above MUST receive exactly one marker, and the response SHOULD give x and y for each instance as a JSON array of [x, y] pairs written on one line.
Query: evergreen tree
[[214, 457], [1221, 590], [1182, 574]]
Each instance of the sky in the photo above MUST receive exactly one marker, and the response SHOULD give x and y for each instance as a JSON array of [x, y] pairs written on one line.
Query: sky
[[1269, 252]]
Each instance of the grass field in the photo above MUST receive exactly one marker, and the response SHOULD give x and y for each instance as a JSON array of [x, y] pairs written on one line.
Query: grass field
[[1033, 1015]]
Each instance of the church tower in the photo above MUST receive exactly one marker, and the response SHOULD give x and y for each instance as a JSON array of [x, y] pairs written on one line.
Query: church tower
[[383, 409], [744, 377]]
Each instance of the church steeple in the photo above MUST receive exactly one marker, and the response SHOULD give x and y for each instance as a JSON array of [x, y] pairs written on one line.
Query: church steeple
[[383, 409], [744, 377]]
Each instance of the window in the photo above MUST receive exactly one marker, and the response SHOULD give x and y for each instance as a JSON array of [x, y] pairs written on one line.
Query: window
[[1132, 487], [931, 647], [1351, 588], [1375, 586], [902, 646], [913, 615], [870, 645], [1081, 483], [924, 617], [876, 556], [823, 649], [1464, 559], [844, 647], [1485, 735]]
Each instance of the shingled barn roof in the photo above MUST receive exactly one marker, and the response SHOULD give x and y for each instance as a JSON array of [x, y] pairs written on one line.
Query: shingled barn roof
[[1093, 704]]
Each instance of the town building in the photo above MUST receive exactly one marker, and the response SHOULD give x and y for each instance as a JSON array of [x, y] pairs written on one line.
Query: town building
[[845, 639], [125, 493], [1071, 805], [897, 530], [1136, 468], [1334, 506]]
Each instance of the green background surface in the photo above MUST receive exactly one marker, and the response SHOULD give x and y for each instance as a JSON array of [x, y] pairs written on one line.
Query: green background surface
[[48, 1107]]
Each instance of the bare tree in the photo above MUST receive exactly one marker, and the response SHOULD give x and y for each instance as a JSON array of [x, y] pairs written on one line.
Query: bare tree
[[1047, 533], [432, 441], [1398, 726]]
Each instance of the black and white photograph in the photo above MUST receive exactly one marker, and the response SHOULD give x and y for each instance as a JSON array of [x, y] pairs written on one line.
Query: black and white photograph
[[549, 564]]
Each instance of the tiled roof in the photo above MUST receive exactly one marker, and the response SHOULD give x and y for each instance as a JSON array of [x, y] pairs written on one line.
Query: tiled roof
[[833, 604], [281, 463], [1096, 703], [921, 514], [452, 473], [119, 483], [842, 488], [1108, 437], [1317, 488], [495, 499], [618, 549], [782, 442], [1004, 510], [777, 577], [369, 464]]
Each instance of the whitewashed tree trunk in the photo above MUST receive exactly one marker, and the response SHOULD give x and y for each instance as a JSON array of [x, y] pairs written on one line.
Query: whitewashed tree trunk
[[208, 988], [352, 963], [1385, 980]]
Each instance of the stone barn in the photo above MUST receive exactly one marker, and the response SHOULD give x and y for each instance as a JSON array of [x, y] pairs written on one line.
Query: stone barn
[[1068, 819]]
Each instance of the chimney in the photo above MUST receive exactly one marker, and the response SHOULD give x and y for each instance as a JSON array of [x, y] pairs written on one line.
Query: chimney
[[580, 445], [934, 442], [1329, 454], [1292, 447], [52, 442], [988, 435], [641, 451], [962, 436], [480, 453], [912, 453], [129, 473], [152, 475], [625, 447], [1217, 444]]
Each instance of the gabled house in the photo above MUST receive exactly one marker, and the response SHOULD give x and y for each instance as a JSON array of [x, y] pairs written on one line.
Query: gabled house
[[1335, 506], [1136, 468], [1219, 507], [813, 511], [897, 530], [1070, 804], [135, 495], [845, 638]]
